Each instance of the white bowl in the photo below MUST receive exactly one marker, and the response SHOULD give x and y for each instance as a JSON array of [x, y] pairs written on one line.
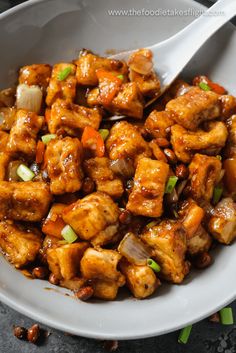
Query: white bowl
[[55, 30]]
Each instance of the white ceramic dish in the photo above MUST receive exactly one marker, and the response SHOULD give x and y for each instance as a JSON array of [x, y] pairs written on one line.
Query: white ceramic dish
[[54, 30]]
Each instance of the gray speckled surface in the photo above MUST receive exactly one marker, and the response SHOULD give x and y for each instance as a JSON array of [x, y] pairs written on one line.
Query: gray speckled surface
[[206, 337]]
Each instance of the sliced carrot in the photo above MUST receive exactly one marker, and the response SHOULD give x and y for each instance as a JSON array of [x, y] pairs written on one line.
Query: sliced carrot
[[54, 228], [40, 149], [47, 115], [109, 86], [217, 88], [92, 140]]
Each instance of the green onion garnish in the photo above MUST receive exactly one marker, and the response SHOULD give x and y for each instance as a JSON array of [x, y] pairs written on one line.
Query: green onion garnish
[[63, 74], [104, 133], [121, 77], [219, 157], [153, 265], [25, 173], [176, 214], [151, 224], [226, 316], [171, 184], [218, 190], [68, 234], [204, 86], [184, 334], [47, 138]]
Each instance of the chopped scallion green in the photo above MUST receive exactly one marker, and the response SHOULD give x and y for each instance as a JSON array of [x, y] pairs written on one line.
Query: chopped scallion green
[[47, 138], [171, 184], [63, 74], [184, 334], [226, 316], [219, 157], [153, 265], [104, 133], [121, 77], [218, 190], [204, 86], [151, 224], [25, 173], [68, 234]]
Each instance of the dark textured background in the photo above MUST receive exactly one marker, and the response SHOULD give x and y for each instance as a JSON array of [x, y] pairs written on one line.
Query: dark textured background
[[206, 337]]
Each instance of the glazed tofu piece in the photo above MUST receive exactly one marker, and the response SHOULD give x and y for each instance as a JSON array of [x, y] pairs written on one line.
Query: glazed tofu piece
[[186, 143], [169, 246], [8, 117], [228, 106], [4, 161], [105, 289], [204, 174], [102, 264], [141, 280], [158, 124], [199, 243], [93, 97], [194, 107], [230, 150], [53, 224], [150, 178], [88, 64], [94, 218], [222, 224], [64, 261], [25, 201], [23, 134], [7, 97], [21, 246], [63, 159], [72, 118], [4, 139], [35, 75], [191, 216], [128, 101], [99, 170], [62, 83], [125, 141]]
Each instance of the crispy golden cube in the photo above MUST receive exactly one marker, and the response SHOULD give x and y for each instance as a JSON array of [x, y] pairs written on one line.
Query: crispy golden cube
[[105, 289], [8, 117], [4, 161], [158, 124], [150, 178], [36, 74], [21, 246], [199, 243]]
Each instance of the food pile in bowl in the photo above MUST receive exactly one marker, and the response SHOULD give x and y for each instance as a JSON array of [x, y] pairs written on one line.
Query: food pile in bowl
[[100, 189]]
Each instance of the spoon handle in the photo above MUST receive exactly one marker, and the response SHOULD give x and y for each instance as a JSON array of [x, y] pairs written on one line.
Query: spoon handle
[[187, 42]]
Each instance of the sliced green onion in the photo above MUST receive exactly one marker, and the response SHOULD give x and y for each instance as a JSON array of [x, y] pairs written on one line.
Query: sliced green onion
[[176, 214], [68, 234], [218, 190], [47, 138], [153, 265], [121, 77], [171, 184], [204, 86], [219, 157], [226, 316], [63, 74], [151, 224], [184, 334], [104, 133], [25, 173]]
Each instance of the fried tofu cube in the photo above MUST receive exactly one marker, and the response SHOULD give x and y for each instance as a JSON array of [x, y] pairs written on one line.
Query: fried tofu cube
[[99, 170], [4, 138], [93, 218], [25, 201], [141, 280], [72, 118], [150, 178], [20, 246], [62, 87], [199, 243], [54, 223], [88, 64], [73, 284], [191, 216], [204, 174], [93, 97], [158, 124], [194, 107], [4, 161], [102, 264], [169, 246], [104, 289], [64, 261], [8, 117], [125, 141], [222, 224], [63, 162], [23, 134], [35, 75]]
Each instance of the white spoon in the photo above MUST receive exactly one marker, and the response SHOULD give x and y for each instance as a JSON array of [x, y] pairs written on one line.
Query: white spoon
[[172, 55]]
